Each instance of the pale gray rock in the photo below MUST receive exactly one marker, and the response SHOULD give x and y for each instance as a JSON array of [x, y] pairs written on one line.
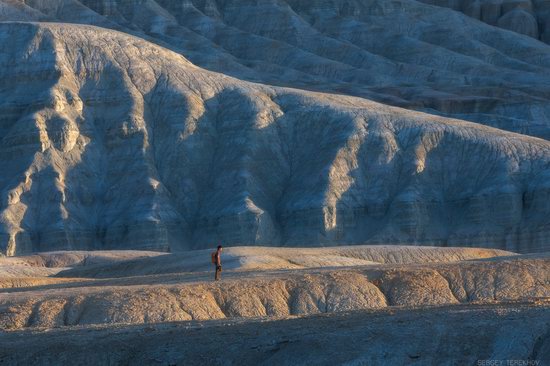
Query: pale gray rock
[[110, 142], [404, 53]]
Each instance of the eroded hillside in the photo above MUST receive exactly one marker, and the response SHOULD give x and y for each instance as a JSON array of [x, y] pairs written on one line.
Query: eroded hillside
[[403, 53], [123, 144]]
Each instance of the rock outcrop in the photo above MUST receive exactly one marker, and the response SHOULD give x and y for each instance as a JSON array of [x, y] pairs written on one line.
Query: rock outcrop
[[404, 53], [110, 142]]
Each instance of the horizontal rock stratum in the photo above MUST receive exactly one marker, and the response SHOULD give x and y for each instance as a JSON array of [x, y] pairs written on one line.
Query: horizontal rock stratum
[[112, 142]]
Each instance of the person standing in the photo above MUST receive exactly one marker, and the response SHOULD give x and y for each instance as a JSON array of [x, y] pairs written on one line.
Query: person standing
[[217, 261]]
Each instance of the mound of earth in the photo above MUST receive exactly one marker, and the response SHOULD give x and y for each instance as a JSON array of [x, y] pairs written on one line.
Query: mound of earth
[[339, 305], [266, 258], [409, 277], [50, 263]]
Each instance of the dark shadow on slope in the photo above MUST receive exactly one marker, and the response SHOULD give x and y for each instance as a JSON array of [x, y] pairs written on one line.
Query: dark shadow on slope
[[445, 188]]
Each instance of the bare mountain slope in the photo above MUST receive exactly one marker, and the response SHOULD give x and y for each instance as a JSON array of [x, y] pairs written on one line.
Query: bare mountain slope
[[403, 53], [109, 141], [529, 17]]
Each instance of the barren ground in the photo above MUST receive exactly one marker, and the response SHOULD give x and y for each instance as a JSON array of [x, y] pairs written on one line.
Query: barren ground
[[348, 305]]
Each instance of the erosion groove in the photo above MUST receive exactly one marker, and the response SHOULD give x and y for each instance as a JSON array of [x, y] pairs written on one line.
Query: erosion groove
[[403, 52], [160, 298], [377, 172], [124, 144]]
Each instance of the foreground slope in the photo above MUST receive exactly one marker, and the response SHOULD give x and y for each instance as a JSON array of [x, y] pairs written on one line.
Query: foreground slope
[[110, 142], [403, 53], [446, 335], [340, 305]]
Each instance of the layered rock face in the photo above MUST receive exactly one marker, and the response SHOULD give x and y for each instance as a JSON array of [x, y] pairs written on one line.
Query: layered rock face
[[109, 141], [403, 53], [529, 17]]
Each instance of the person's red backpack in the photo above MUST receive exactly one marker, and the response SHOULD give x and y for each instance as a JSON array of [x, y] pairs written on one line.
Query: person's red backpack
[[213, 255]]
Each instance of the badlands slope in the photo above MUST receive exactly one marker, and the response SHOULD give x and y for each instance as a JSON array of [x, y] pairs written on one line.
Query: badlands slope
[[529, 17], [111, 142], [340, 305], [133, 128], [403, 53]]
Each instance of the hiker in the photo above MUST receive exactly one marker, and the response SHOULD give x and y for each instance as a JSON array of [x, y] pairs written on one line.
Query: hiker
[[217, 261]]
